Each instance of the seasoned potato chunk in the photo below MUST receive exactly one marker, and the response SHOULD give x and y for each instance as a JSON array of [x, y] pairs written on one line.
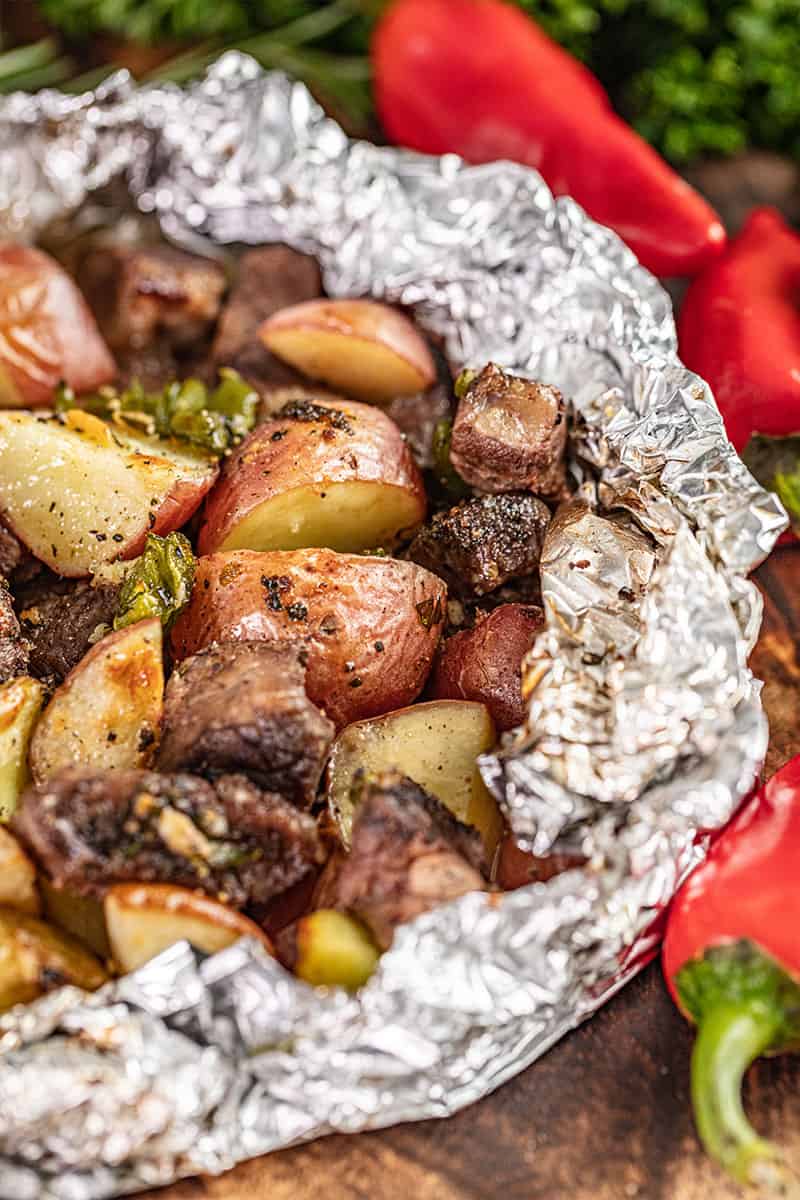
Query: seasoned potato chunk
[[17, 876], [34, 958], [20, 705]]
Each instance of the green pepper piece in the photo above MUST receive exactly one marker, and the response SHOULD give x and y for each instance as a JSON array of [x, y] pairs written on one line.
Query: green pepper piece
[[159, 583], [443, 467]]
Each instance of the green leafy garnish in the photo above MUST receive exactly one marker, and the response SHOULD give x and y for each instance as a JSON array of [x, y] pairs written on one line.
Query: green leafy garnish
[[443, 467], [159, 583], [775, 462], [186, 410]]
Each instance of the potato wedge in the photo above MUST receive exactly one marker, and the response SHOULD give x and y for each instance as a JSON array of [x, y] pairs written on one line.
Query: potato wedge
[[363, 348], [436, 744], [80, 494], [334, 950], [337, 474], [20, 704], [82, 917], [107, 711], [34, 958], [145, 918], [17, 876], [47, 333], [370, 625]]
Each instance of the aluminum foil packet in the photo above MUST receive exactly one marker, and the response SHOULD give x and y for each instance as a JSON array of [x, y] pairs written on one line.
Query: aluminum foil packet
[[645, 727]]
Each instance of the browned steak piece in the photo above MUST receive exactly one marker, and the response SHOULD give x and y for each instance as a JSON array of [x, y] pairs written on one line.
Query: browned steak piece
[[91, 829], [408, 854], [479, 544], [510, 433], [143, 295], [242, 706], [59, 617], [269, 279], [13, 647], [12, 552]]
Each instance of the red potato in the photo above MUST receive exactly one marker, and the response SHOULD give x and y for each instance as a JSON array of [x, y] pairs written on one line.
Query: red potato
[[336, 474], [47, 333], [80, 494], [516, 867], [485, 663], [360, 347], [370, 625]]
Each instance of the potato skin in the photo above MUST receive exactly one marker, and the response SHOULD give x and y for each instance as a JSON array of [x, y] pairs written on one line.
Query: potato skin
[[370, 625], [485, 663], [310, 444], [517, 867]]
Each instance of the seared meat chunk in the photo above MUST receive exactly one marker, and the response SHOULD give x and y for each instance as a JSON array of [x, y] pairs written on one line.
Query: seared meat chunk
[[479, 544], [59, 617], [510, 433], [13, 647], [12, 552], [408, 854], [269, 279], [91, 829], [242, 706], [143, 295]]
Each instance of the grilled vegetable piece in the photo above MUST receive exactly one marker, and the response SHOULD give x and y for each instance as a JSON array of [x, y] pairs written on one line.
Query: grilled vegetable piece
[[47, 333], [145, 918], [480, 544], [17, 876], [360, 347], [80, 494], [20, 704], [448, 478], [485, 663], [144, 295], [60, 619], [212, 420], [14, 650], [269, 278], [516, 867], [370, 625], [417, 417], [82, 917], [436, 745], [329, 949], [408, 855], [35, 958], [242, 706], [90, 829], [107, 711], [159, 583], [336, 474], [510, 433]]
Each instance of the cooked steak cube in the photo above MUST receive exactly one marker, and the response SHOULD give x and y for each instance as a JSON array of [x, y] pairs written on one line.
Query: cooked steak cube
[[12, 552], [242, 706], [408, 854], [141, 295], [510, 433], [13, 647], [479, 544], [91, 829], [59, 618], [269, 279]]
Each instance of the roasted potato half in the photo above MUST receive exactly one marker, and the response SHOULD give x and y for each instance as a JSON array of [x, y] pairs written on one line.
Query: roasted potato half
[[34, 958], [436, 744], [80, 494], [332, 949], [337, 474], [47, 333], [107, 711], [360, 347], [370, 625], [20, 704], [82, 917], [17, 876], [145, 918]]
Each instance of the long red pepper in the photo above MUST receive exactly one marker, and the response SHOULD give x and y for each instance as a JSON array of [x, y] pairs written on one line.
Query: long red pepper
[[480, 79], [732, 962]]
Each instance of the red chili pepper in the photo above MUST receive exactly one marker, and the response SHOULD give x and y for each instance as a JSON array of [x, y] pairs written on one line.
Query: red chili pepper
[[480, 79], [732, 962], [739, 328]]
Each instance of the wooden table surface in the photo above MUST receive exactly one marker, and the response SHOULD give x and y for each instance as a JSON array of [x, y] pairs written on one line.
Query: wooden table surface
[[605, 1114]]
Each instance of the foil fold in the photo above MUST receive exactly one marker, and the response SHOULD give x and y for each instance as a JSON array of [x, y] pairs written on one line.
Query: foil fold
[[645, 727]]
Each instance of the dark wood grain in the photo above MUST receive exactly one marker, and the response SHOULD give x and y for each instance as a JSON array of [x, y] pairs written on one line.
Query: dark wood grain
[[603, 1116]]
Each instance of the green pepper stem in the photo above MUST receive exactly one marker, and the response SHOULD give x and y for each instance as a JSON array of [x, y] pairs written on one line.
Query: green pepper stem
[[730, 1038]]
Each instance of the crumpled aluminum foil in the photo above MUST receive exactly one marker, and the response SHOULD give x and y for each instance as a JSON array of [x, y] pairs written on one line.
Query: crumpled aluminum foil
[[645, 726]]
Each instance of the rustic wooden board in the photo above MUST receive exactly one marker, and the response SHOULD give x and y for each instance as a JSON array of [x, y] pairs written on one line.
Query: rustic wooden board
[[604, 1115]]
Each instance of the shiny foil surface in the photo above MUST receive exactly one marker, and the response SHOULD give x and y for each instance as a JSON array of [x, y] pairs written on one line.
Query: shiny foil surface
[[645, 727]]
